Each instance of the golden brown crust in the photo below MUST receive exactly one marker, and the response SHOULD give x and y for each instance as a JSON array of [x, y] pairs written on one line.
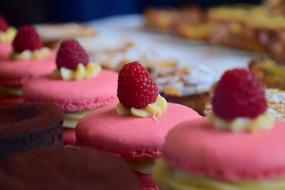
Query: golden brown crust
[[195, 101]]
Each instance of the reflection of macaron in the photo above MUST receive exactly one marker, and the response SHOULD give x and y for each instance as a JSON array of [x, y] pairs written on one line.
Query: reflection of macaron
[[6, 36], [135, 129], [27, 127], [239, 148], [28, 60], [76, 86], [66, 168]]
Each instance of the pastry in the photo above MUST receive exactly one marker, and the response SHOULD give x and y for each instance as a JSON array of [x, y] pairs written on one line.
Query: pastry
[[258, 28], [135, 128], [66, 168], [29, 126], [76, 85], [7, 34], [269, 72], [239, 146], [52, 34], [29, 59]]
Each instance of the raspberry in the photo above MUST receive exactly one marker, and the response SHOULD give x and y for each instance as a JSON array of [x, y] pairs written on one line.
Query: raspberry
[[27, 38], [135, 86], [70, 54], [239, 94], [3, 24]]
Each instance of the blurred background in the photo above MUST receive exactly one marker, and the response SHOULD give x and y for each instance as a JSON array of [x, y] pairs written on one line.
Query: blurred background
[[37, 11]]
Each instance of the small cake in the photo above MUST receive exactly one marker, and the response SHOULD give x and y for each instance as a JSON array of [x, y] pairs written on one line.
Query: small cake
[[239, 146], [29, 126], [7, 34], [77, 85], [28, 59], [66, 168], [135, 128]]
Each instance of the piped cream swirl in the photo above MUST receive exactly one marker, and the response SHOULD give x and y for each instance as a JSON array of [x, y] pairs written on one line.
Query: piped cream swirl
[[151, 110], [27, 54], [80, 73], [8, 35], [264, 121]]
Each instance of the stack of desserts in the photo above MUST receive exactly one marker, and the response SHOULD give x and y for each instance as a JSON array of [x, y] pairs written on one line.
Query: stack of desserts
[[80, 125]]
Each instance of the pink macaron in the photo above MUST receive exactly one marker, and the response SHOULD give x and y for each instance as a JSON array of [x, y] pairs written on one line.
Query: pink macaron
[[239, 148], [74, 97], [197, 147], [5, 50], [129, 137], [28, 59], [137, 139]]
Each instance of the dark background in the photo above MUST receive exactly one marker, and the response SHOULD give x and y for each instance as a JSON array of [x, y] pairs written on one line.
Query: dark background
[[35, 11]]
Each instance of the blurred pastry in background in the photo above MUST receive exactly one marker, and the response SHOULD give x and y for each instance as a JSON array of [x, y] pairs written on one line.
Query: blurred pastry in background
[[188, 21], [52, 34], [188, 86], [258, 28], [269, 72]]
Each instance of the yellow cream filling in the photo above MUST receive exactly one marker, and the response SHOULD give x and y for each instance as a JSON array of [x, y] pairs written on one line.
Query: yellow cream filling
[[27, 54], [80, 73], [151, 110], [142, 166], [10, 91], [262, 122], [71, 119], [170, 178], [8, 35]]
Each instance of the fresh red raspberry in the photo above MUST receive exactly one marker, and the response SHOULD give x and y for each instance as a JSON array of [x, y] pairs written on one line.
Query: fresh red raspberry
[[3, 24], [239, 94], [27, 38], [70, 54], [135, 86]]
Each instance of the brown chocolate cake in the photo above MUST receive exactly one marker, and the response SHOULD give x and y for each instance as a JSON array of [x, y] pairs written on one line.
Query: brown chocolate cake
[[29, 126], [66, 168]]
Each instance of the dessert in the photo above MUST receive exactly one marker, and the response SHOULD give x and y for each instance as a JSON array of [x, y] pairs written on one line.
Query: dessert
[[52, 34], [258, 28], [29, 126], [269, 72], [27, 60], [7, 34], [66, 168], [135, 128], [77, 85], [238, 147]]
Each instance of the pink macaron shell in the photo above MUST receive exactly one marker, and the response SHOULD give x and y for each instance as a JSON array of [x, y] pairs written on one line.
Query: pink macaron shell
[[195, 146], [5, 50], [127, 136], [146, 181], [16, 72], [72, 96]]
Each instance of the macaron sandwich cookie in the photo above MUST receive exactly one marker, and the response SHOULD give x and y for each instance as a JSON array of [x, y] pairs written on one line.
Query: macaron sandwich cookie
[[28, 59], [7, 35], [134, 128], [66, 168], [238, 147], [76, 86], [29, 126]]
